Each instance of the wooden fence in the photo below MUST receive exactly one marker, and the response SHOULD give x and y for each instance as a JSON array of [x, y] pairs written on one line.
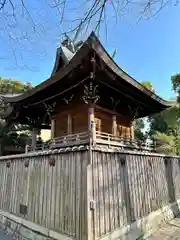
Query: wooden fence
[[64, 191], [127, 187], [52, 187]]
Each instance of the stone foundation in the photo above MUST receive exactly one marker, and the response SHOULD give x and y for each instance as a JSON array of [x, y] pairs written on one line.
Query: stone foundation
[[144, 227], [19, 228], [22, 229]]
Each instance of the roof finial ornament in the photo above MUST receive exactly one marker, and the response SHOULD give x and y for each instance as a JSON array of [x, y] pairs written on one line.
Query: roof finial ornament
[[68, 43]]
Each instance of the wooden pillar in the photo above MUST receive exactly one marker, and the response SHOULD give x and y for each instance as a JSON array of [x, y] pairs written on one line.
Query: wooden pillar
[[91, 122], [1, 147], [114, 125], [34, 139], [26, 148], [52, 128], [69, 122], [132, 131]]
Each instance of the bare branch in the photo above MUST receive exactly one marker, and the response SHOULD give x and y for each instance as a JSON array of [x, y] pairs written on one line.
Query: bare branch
[[2, 4], [19, 27], [97, 28]]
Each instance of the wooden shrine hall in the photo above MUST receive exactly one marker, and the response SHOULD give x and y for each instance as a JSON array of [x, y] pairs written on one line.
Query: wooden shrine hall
[[88, 98]]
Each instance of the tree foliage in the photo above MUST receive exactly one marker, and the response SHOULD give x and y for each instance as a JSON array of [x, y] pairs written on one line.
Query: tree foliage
[[17, 135], [176, 85], [139, 124], [8, 86], [165, 129], [138, 129], [165, 143], [157, 124], [165, 126]]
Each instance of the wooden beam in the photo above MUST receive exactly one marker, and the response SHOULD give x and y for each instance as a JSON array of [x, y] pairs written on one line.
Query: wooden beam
[[34, 138], [91, 122], [110, 112], [69, 124], [132, 131], [114, 125], [52, 128]]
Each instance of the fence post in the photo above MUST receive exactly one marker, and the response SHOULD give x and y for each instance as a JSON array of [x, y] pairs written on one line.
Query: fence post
[[26, 148]]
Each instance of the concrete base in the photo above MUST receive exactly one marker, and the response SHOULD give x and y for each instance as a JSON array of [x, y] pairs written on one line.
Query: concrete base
[[140, 229], [22, 229], [146, 226]]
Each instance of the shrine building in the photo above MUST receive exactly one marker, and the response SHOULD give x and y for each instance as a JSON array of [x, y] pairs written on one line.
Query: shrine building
[[87, 98]]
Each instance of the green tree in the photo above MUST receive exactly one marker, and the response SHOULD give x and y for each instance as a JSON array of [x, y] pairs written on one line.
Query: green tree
[[165, 129], [8, 86], [139, 124], [157, 124], [175, 79], [139, 129], [16, 135], [165, 143]]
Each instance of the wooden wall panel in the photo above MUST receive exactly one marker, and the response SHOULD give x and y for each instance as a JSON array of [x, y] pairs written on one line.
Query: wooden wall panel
[[79, 116], [61, 124], [123, 127], [125, 193], [103, 119], [55, 196]]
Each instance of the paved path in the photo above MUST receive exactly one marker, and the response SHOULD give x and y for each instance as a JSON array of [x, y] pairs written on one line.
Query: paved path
[[169, 231], [4, 237]]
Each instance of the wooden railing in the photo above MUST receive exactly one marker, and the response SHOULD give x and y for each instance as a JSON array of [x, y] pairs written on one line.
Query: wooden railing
[[39, 147], [124, 142], [70, 140], [63, 141], [84, 138]]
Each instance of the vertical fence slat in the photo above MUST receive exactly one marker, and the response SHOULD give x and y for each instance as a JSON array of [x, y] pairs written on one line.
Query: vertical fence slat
[[56, 196], [131, 190]]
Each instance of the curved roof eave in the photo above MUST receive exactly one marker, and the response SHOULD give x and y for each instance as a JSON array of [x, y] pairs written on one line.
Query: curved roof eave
[[53, 79], [100, 50], [91, 43]]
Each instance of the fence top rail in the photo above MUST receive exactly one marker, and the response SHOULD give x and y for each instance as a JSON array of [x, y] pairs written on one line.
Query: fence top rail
[[24, 156], [45, 152]]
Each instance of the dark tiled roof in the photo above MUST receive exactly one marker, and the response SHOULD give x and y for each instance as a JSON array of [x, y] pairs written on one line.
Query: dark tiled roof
[[72, 59]]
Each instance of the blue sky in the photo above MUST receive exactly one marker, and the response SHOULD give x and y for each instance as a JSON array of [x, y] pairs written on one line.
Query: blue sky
[[148, 50]]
